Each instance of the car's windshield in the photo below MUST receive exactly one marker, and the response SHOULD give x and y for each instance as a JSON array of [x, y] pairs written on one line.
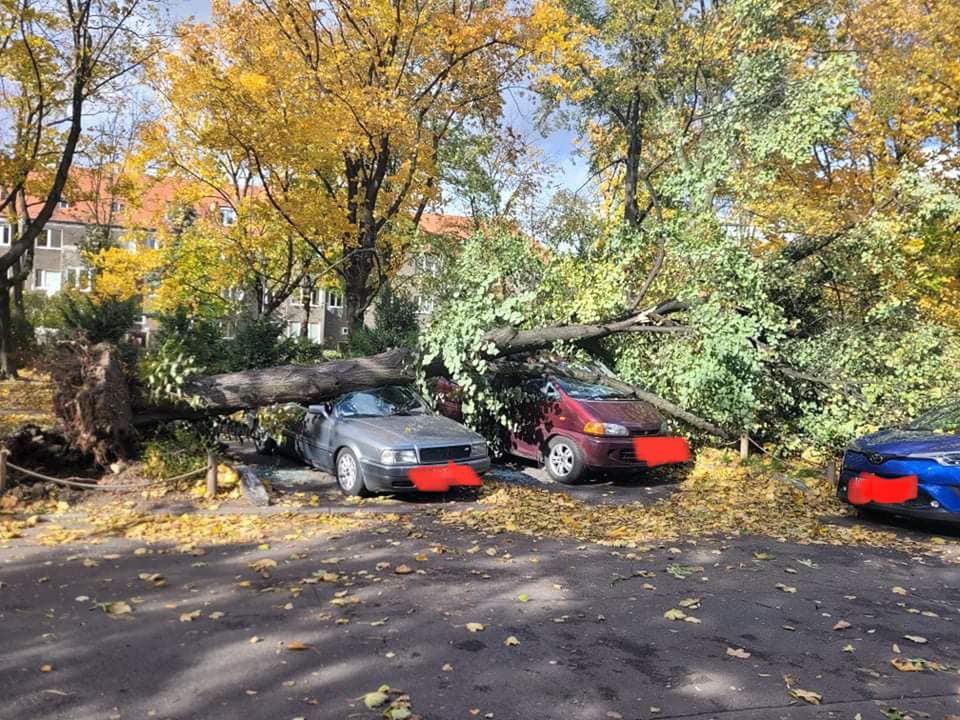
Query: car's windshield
[[943, 418], [380, 402], [588, 391]]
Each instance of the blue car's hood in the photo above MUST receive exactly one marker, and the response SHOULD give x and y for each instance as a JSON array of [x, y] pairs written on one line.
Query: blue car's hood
[[896, 441]]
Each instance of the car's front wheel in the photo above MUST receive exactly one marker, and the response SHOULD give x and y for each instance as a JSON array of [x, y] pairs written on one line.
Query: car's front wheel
[[564, 461], [349, 474]]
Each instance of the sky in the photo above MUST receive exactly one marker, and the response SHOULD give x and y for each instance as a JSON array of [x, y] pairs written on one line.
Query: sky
[[557, 147]]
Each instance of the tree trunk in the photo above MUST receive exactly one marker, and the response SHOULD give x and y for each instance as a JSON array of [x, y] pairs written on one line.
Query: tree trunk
[[90, 379], [8, 359]]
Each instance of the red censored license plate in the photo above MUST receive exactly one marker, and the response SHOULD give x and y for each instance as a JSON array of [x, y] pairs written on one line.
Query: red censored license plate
[[867, 487], [443, 477], [661, 450]]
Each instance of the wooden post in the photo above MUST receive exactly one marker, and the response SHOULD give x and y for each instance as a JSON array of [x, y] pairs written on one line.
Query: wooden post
[[212, 463], [832, 470], [744, 446], [3, 468]]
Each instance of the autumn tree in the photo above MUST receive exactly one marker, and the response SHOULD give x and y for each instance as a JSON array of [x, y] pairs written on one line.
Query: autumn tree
[[60, 58], [337, 113]]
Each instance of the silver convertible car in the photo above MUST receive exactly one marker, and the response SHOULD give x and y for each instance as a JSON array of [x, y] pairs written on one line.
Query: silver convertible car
[[383, 440]]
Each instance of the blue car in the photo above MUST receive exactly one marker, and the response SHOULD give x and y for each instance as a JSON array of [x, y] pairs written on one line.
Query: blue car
[[912, 470]]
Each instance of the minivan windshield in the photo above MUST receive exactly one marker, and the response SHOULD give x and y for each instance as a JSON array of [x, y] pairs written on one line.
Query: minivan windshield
[[381, 402], [943, 418], [589, 391]]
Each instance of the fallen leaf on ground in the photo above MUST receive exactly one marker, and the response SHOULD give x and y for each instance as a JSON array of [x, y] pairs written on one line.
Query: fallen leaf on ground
[[118, 608], [808, 696], [897, 590], [190, 616], [674, 614], [376, 698], [511, 641], [403, 569], [841, 625], [738, 653], [920, 640], [297, 645], [786, 588], [474, 626], [45, 668]]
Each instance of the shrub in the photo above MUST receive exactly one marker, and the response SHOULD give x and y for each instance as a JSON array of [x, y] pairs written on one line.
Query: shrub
[[395, 325], [101, 320], [176, 449]]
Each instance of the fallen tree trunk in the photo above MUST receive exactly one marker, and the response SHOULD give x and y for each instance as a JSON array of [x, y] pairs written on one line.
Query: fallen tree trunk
[[227, 393], [101, 406]]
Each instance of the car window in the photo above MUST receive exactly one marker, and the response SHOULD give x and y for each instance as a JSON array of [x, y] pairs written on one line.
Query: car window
[[588, 391], [381, 402], [944, 418]]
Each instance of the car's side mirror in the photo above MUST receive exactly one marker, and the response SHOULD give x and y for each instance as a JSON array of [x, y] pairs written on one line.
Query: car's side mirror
[[321, 410]]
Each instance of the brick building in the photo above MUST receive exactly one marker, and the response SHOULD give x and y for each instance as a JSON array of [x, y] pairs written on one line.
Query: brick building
[[58, 262]]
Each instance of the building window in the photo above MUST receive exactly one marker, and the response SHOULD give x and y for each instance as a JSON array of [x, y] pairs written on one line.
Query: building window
[[5, 233], [424, 304], [314, 332], [427, 265], [293, 328], [334, 300], [116, 206], [79, 278], [47, 280], [311, 296], [63, 203], [152, 242], [52, 239], [228, 216]]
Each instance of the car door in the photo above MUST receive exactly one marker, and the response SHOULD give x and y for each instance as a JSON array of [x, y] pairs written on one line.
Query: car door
[[313, 441], [529, 437]]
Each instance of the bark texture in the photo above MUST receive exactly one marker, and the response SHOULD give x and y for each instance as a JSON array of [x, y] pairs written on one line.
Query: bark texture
[[100, 407]]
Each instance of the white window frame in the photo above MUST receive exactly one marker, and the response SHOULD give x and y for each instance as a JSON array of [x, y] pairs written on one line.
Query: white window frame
[[63, 203], [116, 206], [314, 297], [293, 328], [427, 265], [315, 332], [333, 295], [6, 234], [345, 330], [228, 216], [40, 280], [424, 305], [77, 271], [47, 238]]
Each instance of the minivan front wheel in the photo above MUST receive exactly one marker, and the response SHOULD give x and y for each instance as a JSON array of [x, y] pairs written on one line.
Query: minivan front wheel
[[564, 461], [349, 475]]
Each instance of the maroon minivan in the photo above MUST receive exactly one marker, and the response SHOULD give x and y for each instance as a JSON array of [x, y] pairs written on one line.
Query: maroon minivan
[[571, 427]]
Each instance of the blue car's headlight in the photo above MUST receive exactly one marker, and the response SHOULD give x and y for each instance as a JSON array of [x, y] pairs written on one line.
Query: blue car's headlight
[[398, 457], [948, 459]]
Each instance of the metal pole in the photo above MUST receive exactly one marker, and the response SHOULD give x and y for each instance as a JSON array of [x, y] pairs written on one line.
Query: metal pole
[[744, 446], [211, 475]]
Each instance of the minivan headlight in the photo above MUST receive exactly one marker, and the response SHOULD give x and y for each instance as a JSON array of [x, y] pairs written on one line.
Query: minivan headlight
[[478, 449], [599, 428], [398, 457]]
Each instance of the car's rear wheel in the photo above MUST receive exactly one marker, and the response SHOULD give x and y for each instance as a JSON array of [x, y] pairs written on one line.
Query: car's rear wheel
[[350, 475], [564, 461]]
